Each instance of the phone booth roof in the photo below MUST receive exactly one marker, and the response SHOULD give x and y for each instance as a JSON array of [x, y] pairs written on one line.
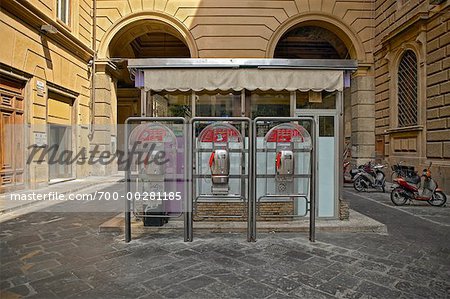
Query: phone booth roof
[[186, 74]]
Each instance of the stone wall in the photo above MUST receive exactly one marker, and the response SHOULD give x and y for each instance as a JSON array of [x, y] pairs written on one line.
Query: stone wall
[[424, 29], [438, 97]]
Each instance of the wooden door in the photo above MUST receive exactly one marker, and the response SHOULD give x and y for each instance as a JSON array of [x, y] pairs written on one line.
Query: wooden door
[[12, 147]]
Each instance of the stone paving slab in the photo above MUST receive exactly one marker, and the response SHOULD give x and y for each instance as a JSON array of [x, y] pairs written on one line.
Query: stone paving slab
[[8, 204], [62, 255], [437, 215], [357, 223], [63, 259]]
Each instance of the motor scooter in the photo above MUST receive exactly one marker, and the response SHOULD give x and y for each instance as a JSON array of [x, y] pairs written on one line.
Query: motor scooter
[[370, 176], [349, 176], [426, 190]]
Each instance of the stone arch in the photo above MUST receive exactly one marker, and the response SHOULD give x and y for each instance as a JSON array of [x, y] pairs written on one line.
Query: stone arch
[[329, 22], [160, 22]]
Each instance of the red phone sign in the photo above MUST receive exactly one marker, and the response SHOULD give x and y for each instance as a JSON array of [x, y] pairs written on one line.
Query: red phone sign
[[152, 134], [285, 135], [219, 134]]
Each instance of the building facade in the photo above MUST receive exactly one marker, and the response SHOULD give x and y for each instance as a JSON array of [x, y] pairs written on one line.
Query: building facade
[[412, 84], [63, 64], [45, 88]]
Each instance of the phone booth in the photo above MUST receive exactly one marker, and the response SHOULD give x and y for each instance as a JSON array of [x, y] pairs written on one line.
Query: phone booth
[[220, 168], [156, 172], [218, 143], [284, 169]]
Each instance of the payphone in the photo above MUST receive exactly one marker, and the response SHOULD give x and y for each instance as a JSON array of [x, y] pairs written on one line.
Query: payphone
[[285, 138], [219, 163], [154, 155], [284, 166], [219, 138], [155, 176]]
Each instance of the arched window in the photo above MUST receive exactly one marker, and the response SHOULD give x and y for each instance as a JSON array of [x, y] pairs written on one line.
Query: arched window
[[407, 90]]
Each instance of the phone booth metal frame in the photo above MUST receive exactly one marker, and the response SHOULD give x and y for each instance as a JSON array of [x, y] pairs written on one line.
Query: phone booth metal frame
[[130, 200], [310, 202], [244, 175]]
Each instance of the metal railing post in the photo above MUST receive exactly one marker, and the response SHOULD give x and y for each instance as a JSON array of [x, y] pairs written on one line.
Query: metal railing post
[[190, 182], [313, 187], [127, 187]]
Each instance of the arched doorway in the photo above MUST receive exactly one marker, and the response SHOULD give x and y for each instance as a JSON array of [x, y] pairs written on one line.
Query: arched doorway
[[309, 41], [314, 42], [143, 38], [320, 36]]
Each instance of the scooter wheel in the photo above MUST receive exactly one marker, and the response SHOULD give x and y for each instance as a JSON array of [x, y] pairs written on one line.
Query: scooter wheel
[[438, 199], [359, 184], [397, 197]]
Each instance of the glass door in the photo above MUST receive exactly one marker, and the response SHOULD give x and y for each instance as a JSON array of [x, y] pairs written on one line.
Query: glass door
[[327, 174], [60, 143]]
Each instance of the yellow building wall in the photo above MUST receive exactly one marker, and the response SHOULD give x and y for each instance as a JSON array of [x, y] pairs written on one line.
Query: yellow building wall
[[80, 17], [43, 59], [235, 28]]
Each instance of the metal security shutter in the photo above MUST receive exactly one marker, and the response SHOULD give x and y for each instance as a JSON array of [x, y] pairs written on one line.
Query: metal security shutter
[[59, 109], [407, 90]]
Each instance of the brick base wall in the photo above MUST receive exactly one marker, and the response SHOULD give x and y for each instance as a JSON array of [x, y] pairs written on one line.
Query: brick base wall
[[214, 209]]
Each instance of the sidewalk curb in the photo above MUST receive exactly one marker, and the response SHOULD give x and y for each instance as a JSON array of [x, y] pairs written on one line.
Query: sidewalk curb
[[73, 189], [358, 223]]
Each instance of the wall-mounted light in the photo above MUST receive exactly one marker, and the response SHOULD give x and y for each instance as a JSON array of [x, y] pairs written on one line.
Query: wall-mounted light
[[49, 29]]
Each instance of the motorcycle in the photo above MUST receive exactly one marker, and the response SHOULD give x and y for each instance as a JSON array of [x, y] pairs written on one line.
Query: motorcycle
[[370, 176], [353, 172], [426, 190]]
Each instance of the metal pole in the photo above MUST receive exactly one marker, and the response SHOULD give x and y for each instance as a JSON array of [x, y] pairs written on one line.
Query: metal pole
[[312, 208], [143, 102], [340, 140], [193, 104], [127, 188], [190, 208], [254, 180], [186, 182], [293, 102], [250, 186]]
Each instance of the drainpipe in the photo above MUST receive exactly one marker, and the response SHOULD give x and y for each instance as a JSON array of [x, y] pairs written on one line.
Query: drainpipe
[[94, 58]]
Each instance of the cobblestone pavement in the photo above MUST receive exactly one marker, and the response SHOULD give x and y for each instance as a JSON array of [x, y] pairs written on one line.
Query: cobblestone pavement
[[420, 209], [61, 255]]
